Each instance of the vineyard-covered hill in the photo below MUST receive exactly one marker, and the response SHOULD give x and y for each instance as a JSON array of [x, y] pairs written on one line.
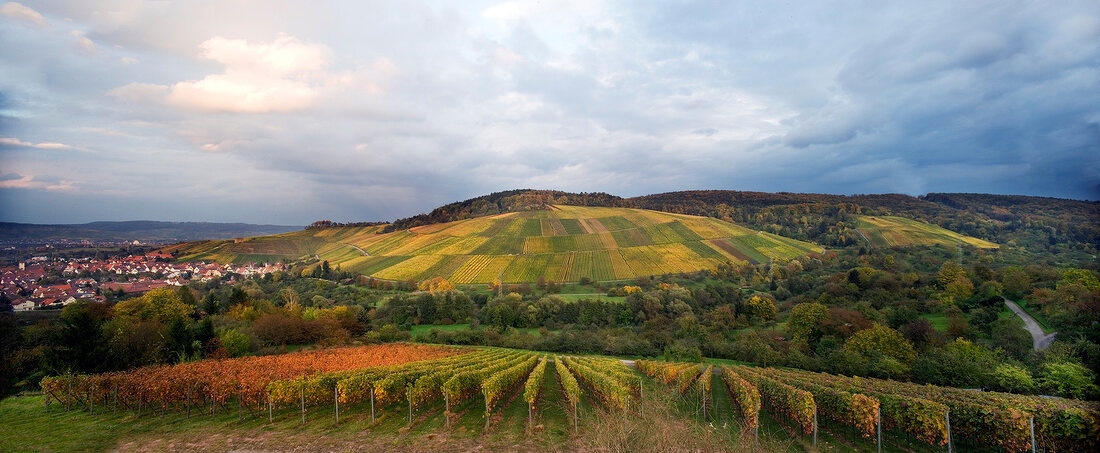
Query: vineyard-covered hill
[[560, 243]]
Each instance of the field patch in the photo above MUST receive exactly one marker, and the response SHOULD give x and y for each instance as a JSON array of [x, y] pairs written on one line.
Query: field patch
[[891, 231], [562, 243]]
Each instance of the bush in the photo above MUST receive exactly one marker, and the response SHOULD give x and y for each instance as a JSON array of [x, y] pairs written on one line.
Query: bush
[[1011, 378], [1067, 379], [234, 342], [682, 352]]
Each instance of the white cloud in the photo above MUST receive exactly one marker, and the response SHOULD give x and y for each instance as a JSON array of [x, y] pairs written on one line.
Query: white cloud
[[22, 12], [128, 60], [82, 40], [280, 76], [22, 144]]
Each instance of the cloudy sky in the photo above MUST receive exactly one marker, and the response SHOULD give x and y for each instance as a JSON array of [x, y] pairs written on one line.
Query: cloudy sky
[[289, 112]]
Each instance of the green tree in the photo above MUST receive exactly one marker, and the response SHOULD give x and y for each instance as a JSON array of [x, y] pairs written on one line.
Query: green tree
[[235, 343], [1068, 379], [806, 319], [883, 340], [1011, 378]]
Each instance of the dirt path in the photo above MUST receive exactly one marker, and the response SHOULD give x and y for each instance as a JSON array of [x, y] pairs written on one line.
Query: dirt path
[[364, 252], [864, 237], [1041, 339]]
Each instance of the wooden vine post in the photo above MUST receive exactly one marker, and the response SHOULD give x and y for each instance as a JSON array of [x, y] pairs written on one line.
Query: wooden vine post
[[270, 417], [409, 396], [372, 404], [447, 407], [303, 393], [336, 400]]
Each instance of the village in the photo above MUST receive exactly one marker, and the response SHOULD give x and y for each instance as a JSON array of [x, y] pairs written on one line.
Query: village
[[42, 283]]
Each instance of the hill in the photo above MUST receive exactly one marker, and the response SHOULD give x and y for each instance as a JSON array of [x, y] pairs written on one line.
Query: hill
[[1048, 226], [1042, 225], [560, 243], [141, 230]]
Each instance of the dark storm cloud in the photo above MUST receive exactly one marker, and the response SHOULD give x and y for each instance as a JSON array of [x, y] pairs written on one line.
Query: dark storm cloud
[[356, 111]]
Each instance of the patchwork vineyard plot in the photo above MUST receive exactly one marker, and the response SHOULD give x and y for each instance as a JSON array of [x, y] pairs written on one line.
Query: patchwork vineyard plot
[[564, 243], [890, 231]]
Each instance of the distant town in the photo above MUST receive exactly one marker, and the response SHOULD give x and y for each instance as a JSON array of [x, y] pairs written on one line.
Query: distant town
[[43, 283]]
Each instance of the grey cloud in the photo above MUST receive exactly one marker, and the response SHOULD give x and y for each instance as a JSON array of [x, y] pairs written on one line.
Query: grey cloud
[[427, 103]]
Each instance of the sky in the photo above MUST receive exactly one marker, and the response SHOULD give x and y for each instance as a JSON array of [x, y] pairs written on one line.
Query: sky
[[289, 112]]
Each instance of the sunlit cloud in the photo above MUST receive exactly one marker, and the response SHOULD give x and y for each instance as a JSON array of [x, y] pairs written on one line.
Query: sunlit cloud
[[21, 12]]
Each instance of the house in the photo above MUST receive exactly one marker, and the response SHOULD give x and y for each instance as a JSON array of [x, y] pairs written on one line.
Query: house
[[22, 305]]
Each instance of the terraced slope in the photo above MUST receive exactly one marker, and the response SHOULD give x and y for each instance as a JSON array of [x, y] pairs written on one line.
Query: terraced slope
[[564, 243], [889, 231]]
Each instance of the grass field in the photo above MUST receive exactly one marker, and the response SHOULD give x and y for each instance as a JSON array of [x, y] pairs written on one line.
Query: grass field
[[563, 244], [889, 231]]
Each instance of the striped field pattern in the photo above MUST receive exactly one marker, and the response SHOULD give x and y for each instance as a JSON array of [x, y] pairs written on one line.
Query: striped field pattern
[[563, 244]]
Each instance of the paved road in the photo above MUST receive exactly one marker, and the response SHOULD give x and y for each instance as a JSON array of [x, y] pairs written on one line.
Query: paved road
[[1040, 339]]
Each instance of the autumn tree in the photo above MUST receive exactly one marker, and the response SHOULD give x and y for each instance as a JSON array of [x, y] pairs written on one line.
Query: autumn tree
[[761, 307]]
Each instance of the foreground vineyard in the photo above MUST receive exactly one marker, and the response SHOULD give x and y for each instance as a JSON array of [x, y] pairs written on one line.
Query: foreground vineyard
[[937, 416], [412, 382]]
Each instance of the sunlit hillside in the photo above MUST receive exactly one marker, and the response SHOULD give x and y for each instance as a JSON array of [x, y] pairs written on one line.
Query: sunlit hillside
[[563, 243], [890, 231]]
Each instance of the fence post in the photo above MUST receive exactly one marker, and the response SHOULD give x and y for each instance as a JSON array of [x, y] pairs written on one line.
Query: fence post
[[574, 418], [950, 448], [815, 425], [303, 392], [1031, 427], [372, 404], [90, 411], [447, 407], [408, 395], [530, 420], [270, 417], [878, 428], [336, 399], [756, 430], [486, 409]]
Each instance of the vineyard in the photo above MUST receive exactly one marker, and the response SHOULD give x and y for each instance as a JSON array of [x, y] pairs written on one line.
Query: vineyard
[[890, 231], [414, 383], [565, 244], [937, 417]]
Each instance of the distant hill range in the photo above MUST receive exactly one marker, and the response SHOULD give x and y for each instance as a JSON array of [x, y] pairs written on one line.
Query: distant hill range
[[140, 230]]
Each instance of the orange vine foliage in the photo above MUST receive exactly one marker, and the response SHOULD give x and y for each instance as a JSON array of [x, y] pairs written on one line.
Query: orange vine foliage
[[220, 380]]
